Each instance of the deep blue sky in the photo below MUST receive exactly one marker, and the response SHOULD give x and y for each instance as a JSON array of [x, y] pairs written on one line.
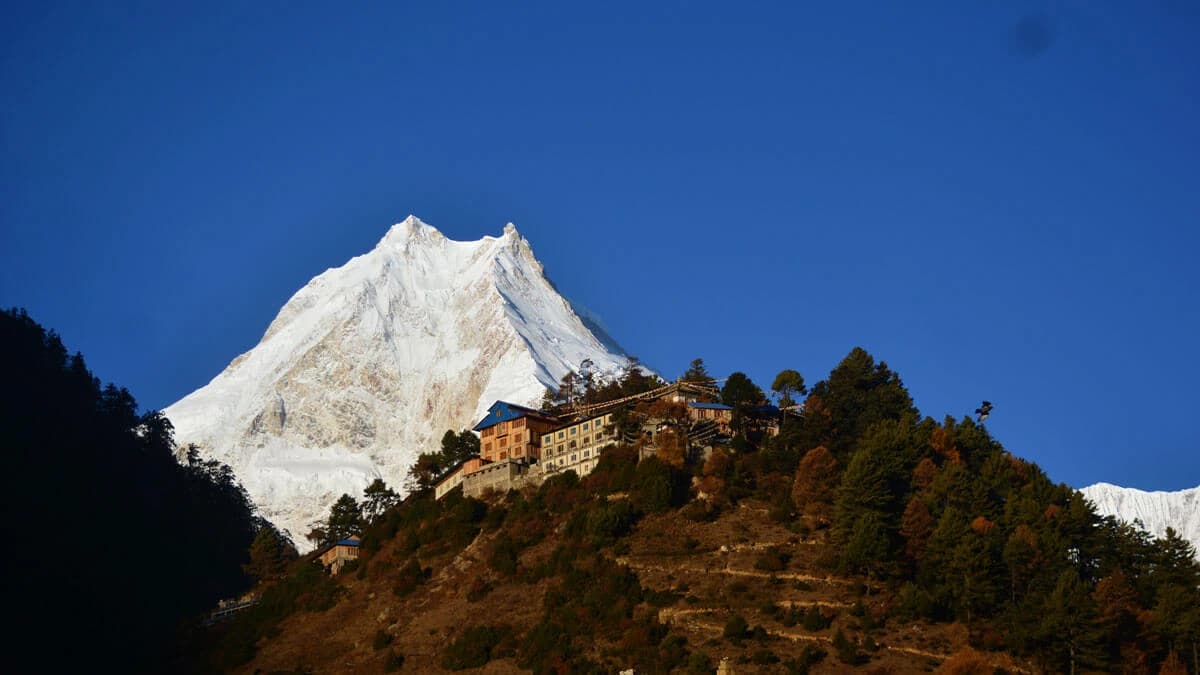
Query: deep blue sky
[[999, 199]]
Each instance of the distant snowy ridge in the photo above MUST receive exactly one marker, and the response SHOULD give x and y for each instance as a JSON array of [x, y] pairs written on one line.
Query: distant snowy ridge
[[1156, 510], [371, 362]]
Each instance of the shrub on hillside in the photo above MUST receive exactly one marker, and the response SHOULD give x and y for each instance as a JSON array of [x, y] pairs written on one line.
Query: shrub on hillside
[[700, 511], [614, 472], [393, 662], [763, 657], [504, 555], [306, 589], [478, 590], [411, 576], [966, 661], [560, 493], [606, 521], [382, 639], [847, 649], [810, 656], [772, 560], [657, 487], [736, 628], [474, 647], [815, 619], [699, 663]]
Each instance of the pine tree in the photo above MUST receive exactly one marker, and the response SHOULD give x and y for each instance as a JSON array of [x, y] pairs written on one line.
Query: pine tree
[[1069, 632], [787, 383], [270, 554], [345, 519], [457, 448], [875, 480], [972, 571], [858, 394], [698, 374], [377, 499], [425, 471], [1177, 619], [741, 393], [866, 546]]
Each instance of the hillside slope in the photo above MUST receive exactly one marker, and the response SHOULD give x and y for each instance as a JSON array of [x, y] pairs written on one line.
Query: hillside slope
[[694, 578]]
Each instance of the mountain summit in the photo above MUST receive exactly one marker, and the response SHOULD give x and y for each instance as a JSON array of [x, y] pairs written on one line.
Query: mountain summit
[[370, 363]]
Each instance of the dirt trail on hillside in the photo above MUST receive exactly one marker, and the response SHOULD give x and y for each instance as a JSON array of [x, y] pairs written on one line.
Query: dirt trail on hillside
[[680, 617], [795, 576]]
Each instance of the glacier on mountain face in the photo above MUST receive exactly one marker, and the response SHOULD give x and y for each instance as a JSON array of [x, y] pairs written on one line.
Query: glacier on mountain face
[[1156, 510], [371, 362]]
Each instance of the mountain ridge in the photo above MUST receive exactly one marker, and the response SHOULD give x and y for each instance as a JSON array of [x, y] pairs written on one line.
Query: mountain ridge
[[1157, 510]]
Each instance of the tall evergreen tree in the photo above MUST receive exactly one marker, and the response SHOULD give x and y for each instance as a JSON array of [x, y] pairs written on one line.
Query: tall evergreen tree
[[377, 499], [859, 393], [697, 373], [1069, 629], [271, 553], [458, 447], [741, 393], [345, 519]]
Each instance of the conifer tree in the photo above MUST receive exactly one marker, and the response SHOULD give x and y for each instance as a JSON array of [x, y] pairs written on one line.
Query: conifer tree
[[270, 553], [866, 546], [697, 373], [740, 393], [859, 393], [787, 383], [875, 481], [1069, 632], [377, 499], [345, 519], [425, 471], [458, 447], [972, 571]]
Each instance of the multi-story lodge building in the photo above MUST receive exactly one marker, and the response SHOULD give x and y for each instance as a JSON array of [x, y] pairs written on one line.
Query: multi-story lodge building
[[509, 447], [576, 447], [511, 431], [520, 446]]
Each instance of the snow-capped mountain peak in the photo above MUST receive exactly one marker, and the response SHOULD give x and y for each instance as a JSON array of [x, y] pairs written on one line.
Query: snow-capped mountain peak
[[1156, 510], [370, 363]]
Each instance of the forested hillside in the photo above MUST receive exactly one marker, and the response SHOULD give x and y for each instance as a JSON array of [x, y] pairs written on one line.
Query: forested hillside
[[863, 534], [111, 544]]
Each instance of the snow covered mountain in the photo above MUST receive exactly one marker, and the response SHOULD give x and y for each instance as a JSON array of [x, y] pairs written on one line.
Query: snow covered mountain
[[370, 363], [1156, 510]]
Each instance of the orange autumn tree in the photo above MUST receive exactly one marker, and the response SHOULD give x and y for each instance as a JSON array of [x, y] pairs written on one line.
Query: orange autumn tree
[[815, 486]]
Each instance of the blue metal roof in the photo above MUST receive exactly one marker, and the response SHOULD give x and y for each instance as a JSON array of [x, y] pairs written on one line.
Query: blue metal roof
[[347, 542], [763, 410], [503, 411], [709, 406]]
